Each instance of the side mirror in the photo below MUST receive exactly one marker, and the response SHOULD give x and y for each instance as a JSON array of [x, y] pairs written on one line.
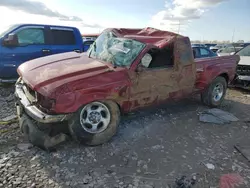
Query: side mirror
[[11, 40], [232, 53]]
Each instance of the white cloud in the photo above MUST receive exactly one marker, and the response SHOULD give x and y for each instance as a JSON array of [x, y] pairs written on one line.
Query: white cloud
[[27, 11], [36, 8], [178, 13]]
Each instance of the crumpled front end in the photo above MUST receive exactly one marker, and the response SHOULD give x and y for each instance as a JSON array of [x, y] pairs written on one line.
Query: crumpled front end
[[34, 122]]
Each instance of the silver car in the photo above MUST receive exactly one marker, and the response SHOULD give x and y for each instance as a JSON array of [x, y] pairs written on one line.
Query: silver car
[[217, 47], [243, 68], [228, 50]]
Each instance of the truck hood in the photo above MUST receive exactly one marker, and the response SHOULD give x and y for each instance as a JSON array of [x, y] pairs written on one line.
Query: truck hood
[[244, 60], [59, 69]]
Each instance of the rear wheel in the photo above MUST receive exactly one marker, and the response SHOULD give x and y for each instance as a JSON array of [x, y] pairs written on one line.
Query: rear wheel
[[95, 123], [214, 95]]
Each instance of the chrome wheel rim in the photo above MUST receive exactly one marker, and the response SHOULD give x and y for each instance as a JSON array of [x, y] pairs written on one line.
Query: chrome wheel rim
[[95, 117], [218, 92]]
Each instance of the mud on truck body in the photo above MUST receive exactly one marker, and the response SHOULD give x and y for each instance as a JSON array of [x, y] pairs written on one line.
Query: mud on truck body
[[124, 70]]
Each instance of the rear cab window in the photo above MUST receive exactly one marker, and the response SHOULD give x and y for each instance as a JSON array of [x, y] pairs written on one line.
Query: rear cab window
[[63, 36]]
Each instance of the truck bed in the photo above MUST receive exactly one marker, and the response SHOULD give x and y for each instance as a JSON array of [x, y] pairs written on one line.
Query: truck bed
[[208, 69]]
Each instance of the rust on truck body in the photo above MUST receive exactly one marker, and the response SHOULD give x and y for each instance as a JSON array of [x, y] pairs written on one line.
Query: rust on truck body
[[73, 80]]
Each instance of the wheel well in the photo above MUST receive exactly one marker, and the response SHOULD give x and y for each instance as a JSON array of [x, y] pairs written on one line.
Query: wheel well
[[225, 75], [103, 101]]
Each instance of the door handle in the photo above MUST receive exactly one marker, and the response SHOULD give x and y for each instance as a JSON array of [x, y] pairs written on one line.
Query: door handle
[[76, 50], [45, 50]]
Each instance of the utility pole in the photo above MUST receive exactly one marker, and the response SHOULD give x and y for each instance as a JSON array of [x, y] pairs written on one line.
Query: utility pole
[[233, 36], [179, 26]]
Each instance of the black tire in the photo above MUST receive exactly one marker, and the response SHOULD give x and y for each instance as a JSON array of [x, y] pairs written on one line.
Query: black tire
[[207, 95], [81, 135]]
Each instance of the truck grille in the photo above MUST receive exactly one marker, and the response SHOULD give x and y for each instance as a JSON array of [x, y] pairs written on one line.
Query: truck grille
[[243, 70], [43, 103]]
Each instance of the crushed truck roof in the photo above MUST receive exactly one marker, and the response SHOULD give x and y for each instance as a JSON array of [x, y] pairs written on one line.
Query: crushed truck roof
[[147, 35]]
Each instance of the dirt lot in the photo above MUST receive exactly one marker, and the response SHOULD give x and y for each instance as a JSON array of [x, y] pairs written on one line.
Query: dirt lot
[[153, 148]]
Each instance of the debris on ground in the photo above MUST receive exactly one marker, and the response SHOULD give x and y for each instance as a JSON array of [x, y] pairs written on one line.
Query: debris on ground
[[139, 140], [230, 181], [9, 98], [185, 182], [217, 116], [8, 120], [38, 137], [244, 151], [24, 146], [210, 166]]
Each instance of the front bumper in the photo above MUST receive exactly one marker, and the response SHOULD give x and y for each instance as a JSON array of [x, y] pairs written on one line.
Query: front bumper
[[241, 82], [24, 105], [244, 78]]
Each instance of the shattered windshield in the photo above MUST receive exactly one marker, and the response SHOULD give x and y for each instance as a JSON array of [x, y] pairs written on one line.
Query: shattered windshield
[[118, 51]]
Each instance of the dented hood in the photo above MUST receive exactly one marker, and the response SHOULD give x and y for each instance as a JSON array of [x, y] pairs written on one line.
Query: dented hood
[[59, 68]]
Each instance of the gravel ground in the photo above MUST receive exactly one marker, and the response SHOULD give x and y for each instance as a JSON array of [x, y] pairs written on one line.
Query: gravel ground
[[152, 148]]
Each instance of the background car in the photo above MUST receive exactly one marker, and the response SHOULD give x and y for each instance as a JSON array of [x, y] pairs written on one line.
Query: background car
[[88, 39], [203, 52], [228, 51], [217, 47], [231, 49], [24, 42], [208, 45], [245, 44], [198, 45], [243, 68]]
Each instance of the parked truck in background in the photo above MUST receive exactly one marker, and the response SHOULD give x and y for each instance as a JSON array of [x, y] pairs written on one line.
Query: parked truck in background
[[124, 70], [23, 42], [242, 78], [88, 39]]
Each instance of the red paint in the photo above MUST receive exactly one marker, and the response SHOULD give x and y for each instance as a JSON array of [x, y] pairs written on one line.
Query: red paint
[[215, 66], [231, 181], [73, 79], [147, 35]]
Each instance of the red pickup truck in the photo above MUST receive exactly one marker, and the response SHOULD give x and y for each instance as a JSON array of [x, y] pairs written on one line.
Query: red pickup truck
[[125, 69]]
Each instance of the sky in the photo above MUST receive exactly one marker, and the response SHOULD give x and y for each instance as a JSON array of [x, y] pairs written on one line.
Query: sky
[[198, 19]]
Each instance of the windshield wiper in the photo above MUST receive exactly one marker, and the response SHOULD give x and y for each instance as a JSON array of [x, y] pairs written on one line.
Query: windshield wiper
[[114, 65]]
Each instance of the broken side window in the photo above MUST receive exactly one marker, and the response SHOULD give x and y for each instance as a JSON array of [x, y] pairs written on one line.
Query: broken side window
[[162, 58]]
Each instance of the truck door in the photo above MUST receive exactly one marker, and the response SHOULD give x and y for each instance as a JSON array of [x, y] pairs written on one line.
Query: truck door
[[32, 43], [156, 81], [65, 40], [171, 74]]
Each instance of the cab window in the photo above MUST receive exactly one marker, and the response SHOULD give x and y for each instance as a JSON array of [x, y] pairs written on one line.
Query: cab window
[[31, 36]]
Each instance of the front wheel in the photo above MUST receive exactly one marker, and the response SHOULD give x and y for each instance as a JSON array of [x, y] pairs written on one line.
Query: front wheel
[[95, 123], [214, 95]]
